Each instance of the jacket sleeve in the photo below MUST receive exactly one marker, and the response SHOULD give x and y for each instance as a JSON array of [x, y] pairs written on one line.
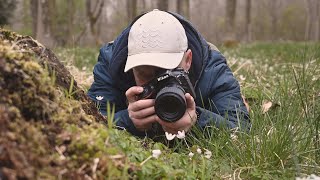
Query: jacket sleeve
[[224, 106], [103, 88]]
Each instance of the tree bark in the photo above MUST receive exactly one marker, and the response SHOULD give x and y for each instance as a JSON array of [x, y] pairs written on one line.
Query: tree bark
[[230, 19], [248, 21], [93, 15], [70, 20], [274, 6], [312, 20], [34, 15], [183, 8], [318, 18], [39, 25], [163, 5], [131, 9]]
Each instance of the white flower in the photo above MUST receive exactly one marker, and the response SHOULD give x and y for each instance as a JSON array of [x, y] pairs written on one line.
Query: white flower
[[242, 77], [207, 154], [156, 153], [170, 136], [99, 98], [199, 151], [181, 134], [191, 154]]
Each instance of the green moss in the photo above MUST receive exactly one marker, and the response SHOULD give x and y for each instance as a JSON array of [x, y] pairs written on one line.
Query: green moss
[[48, 132]]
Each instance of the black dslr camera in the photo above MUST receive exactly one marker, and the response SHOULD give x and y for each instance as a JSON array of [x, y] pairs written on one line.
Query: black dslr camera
[[168, 89]]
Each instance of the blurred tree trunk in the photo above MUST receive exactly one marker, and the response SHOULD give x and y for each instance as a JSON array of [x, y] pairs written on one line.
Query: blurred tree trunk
[[42, 12], [313, 16], [35, 14], [274, 8], [93, 15], [163, 5], [183, 8], [48, 12], [131, 9], [318, 17], [144, 5], [248, 21], [70, 20], [230, 20]]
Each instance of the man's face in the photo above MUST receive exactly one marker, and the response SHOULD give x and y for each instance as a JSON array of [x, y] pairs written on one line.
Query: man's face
[[144, 74]]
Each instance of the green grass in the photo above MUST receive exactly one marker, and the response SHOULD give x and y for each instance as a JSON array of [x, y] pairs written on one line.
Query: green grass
[[284, 141], [82, 58]]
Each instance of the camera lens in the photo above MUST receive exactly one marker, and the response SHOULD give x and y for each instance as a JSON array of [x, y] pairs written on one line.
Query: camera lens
[[170, 104]]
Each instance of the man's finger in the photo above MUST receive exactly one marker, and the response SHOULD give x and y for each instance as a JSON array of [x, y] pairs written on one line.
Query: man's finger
[[143, 112], [190, 102], [142, 104], [132, 92]]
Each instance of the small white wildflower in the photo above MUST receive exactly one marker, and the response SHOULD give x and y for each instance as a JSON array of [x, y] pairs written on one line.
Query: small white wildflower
[[181, 134], [207, 154], [190, 154], [242, 77], [156, 153], [99, 98], [199, 151], [170, 136]]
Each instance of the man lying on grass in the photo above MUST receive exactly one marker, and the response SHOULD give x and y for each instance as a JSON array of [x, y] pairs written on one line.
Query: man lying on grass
[[162, 76]]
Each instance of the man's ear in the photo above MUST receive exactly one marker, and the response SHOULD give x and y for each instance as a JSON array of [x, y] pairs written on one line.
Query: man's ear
[[188, 59]]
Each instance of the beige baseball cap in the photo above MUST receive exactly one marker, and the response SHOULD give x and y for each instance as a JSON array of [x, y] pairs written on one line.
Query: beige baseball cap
[[156, 39]]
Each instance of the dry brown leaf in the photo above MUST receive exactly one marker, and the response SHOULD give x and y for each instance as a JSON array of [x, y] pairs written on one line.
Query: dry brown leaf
[[246, 103], [266, 106]]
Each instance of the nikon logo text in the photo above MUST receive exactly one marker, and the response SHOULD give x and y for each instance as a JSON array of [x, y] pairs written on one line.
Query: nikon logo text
[[162, 77]]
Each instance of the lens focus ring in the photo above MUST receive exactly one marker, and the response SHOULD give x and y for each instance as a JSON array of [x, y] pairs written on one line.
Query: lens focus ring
[[170, 104]]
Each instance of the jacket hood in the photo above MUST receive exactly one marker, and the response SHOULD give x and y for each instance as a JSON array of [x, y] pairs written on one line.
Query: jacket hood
[[197, 44]]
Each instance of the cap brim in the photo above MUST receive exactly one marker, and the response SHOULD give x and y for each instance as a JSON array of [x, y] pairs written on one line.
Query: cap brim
[[162, 60]]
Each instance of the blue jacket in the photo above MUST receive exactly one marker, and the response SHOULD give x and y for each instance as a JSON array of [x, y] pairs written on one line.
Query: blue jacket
[[218, 99]]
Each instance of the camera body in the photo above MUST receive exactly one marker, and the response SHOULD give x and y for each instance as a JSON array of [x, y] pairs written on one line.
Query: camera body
[[168, 89]]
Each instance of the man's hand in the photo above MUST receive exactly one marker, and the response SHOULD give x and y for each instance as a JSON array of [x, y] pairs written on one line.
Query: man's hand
[[186, 122], [141, 112]]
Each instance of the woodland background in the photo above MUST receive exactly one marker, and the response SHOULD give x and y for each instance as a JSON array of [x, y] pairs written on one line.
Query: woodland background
[[271, 46], [95, 22]]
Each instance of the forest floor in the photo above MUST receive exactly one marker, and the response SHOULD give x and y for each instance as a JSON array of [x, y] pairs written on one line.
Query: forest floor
[[50, 130]]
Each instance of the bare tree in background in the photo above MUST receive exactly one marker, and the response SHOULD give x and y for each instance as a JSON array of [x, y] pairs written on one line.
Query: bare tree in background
[[248, 21], [318, 13], [70, 20], [183, 8], [42, 14], [34, 8], [93, 15], [48, 8], [274, 6], [163, 5], [312, 31], [131, 9], [230, 19], [219, 21]]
